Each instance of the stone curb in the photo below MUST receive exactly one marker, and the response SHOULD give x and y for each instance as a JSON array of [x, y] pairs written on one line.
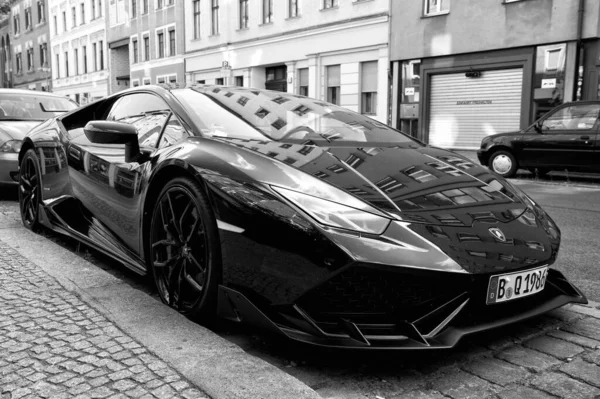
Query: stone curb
[[215, 365]]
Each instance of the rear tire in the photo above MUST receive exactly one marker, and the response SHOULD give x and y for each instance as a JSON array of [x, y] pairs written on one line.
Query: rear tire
[[29, 190], [503, 163], [184, 249]]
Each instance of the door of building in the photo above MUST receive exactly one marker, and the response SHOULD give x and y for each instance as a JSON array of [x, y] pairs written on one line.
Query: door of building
[[276, 78], [466, 107]]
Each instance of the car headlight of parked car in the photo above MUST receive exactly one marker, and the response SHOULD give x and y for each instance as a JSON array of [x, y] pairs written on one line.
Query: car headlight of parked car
[[334, 214], [11, 146]]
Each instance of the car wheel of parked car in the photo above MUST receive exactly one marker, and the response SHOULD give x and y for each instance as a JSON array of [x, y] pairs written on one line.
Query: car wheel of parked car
[[184, 249], [29, 189], [503, 163]]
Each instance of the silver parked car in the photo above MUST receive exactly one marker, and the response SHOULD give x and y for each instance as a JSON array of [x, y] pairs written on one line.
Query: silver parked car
[[20, 111]]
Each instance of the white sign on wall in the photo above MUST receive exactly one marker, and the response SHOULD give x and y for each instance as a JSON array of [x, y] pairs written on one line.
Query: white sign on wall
[[549, 83], [409, 91]]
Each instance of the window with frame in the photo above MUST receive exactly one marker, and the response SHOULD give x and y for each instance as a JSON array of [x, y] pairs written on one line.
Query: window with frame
[[574, 117], [43, 60], [552, 59], [134, 10], [239, 81], [215, 17], [160, 36], [293, 8], [41, 10], [95, 56], [330, 4], [172, 78], [267, 11], [64, 15], [333, 84], [433, 7], [172, 42], [66, 64], [219, 81], [146, 48], [74, 17], [101, 48], [28, 19], [368, 84], [19, 61], [99, 8], [196, 19], [146, 81], [84, 53], [57, 66], [30, 59], [82, 11], [160, 80], [76, 62], [144, 6], [243, 14], [159, 3], [93, 9], [16, 24], [134, 50], [55, 24], [303, 81]]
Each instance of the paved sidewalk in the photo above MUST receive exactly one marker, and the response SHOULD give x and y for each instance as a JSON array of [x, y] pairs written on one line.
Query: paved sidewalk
[[52, 344]]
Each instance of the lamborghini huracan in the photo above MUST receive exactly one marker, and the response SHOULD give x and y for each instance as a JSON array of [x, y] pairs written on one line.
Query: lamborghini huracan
[[299, 216]]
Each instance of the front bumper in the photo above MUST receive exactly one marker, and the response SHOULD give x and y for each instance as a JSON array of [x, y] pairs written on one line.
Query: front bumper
[[413, 324], [9, 168]]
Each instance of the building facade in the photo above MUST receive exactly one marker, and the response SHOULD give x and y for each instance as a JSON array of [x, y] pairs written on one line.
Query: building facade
[[29, 43], [5, 52], [466, 69], [146, 41], [326, 49], [78, 42]]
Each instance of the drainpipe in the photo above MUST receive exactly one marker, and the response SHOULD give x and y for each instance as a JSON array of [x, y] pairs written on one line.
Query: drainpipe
[[578, 51]]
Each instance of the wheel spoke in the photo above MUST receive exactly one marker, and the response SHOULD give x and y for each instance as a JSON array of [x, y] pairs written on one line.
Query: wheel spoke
[[175, 277], [197, 264], [193, 283], [185, 211], [25, 181], [166, 263], [168, 243], [189, 237], [173, 213]]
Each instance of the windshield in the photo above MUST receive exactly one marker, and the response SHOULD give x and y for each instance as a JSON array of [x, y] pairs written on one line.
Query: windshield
[[32, 107], [269, 115]]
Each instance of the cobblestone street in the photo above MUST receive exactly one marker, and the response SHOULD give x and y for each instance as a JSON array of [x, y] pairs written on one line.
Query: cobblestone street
[[53, 345]]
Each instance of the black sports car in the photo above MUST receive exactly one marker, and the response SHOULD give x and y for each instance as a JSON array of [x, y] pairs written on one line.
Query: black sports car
[[300, 216]]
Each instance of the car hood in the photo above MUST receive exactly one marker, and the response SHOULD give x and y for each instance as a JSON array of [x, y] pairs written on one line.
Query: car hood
[[16, 130]]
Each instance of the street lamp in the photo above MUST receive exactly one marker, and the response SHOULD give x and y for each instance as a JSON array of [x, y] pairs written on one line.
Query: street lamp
[[47, 70]]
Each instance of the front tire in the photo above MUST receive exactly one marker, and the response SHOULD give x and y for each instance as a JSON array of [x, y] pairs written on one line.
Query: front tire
[[185, 257], [503, 163], [29, 190]]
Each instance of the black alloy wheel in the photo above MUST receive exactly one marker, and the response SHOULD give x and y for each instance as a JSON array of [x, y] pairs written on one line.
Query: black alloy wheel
[[503, 163], [29, 189], [184, 249]]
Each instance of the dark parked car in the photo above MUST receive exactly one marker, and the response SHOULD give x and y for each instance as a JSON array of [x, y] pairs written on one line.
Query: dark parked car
[[20, 111], [300, 216], [565, 138]]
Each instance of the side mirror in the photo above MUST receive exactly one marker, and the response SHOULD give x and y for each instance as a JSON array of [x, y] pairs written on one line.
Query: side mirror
[[538, 126], [108, 132]]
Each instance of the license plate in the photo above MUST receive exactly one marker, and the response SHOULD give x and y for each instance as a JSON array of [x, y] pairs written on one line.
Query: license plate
[[505, 287]]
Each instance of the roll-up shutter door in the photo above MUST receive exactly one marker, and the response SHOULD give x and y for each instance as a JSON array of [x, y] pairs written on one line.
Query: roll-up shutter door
[[464, 110]]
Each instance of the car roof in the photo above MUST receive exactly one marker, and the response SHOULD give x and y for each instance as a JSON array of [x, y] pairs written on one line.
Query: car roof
[[29, 92]]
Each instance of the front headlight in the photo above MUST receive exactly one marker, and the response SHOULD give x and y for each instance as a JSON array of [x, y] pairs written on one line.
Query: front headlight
[[11, 146], [335, 214]]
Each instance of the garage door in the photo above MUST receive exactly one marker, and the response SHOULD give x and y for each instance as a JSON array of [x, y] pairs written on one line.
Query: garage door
[[464, 110]]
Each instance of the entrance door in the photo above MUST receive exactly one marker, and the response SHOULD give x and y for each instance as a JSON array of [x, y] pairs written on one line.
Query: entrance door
[[276, 78], [463, 110]]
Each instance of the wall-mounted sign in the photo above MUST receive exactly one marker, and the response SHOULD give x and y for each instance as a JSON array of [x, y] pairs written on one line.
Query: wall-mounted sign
[[549, 83], [474, 102], [409, 91]]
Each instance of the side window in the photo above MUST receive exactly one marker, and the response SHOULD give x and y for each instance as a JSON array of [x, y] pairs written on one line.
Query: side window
[[147, 112], [174, 132], [575, 117]]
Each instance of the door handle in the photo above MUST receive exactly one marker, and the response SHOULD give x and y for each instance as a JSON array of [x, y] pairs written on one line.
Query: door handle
[[584, 137]]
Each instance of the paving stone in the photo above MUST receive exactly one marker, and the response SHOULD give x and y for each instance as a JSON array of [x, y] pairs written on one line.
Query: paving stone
[[496, 371], [555, 347], [421, 395], [564, 314], [593, 357], [521, 392], [461, 385], [589, 327], [528, 358], [576, 339], [564, 386], [584, 371]]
